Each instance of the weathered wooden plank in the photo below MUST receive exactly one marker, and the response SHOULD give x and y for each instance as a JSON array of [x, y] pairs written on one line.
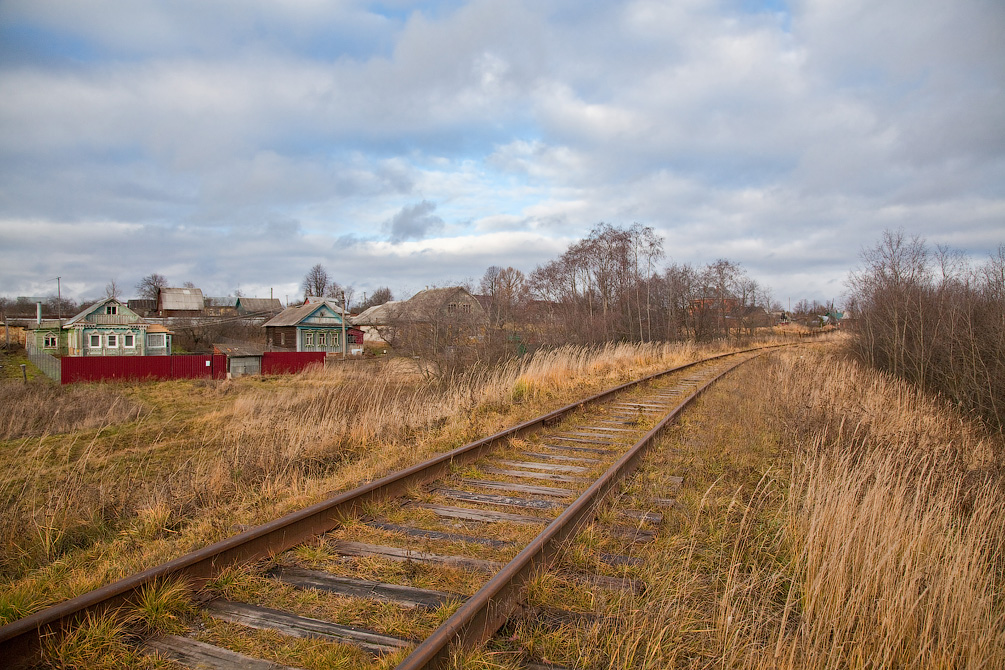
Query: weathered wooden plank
[[633, 405], [526, 474], [609, 583], [564, 459], [519, 488], [294, 625], [670, 503], [494, 499], [578, 440], [549, 467], [611, 430], [654, 518], [630, 533], [437, 534], [196, 654], [568, 448], [360, 549], [620, 559], [405, 596], [487, 516], [594, 437]]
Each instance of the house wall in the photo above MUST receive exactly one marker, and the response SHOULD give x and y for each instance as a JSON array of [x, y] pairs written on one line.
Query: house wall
[[281, 337], [111, 342], [310, 339]]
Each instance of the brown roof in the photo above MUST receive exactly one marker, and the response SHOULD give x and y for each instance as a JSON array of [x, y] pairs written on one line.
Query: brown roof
[[293, 315]]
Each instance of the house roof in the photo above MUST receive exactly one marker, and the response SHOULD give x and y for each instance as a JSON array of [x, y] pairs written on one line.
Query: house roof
[[378, 315], [90, 308], [158, 328], [237, 349], [259, 304], [428, 303], [293, 315], [182, 299]]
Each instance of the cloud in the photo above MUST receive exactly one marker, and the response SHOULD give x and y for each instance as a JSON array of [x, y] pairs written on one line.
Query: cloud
[[225, 143], [414, 222]]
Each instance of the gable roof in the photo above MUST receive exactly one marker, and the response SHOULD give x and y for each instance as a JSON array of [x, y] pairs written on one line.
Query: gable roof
[[296, 314], [378, 315], [101, 303], [245, 305], [184, 299], [430, 302]]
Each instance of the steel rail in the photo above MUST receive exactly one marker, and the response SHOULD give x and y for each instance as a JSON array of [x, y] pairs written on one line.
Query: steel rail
[[21, 640], [481, 615]]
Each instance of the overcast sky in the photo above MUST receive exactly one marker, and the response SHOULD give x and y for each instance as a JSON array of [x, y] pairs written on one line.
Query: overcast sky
[[235, 143]]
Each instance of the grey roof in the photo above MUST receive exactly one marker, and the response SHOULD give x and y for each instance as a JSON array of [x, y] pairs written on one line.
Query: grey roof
[[246, 305], [378, 315], [431, 302], [238, 349], [293, 315], [90, 308], [182, 299]]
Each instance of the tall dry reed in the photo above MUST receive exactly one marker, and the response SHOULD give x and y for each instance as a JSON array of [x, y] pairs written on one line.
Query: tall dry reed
[[85, 508], [873, 538]]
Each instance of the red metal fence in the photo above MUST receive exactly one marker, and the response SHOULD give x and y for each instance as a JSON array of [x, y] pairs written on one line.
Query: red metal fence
[[289, 362], [105, 368]]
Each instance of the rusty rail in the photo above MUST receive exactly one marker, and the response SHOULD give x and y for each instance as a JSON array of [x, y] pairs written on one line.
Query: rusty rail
[[486, 611], [21, 640]]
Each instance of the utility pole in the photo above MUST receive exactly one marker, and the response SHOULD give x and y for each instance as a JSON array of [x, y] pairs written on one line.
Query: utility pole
[[59, 301], [344, 310]]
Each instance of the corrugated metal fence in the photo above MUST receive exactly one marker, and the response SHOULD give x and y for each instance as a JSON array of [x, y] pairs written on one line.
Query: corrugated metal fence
[[103, 368], [289, 362], [47, 363]]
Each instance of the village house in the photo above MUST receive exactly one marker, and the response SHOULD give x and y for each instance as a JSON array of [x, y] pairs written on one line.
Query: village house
[[110, 328], [316, 325]]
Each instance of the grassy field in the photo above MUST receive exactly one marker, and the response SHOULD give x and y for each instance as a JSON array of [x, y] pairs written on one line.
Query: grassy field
[[830, 517], [100, 481]]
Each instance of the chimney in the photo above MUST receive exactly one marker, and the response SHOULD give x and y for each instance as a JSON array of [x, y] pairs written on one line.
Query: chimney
[[38, 313]]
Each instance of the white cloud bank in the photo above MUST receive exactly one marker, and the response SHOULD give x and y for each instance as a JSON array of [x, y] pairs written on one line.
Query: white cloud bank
[[414, 143]]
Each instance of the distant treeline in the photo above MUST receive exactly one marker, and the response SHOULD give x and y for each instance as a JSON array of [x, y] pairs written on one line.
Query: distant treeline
[[613, 286], [932, 317]]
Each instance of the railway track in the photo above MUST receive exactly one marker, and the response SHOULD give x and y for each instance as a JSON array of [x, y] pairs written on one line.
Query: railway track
[[430, 559]]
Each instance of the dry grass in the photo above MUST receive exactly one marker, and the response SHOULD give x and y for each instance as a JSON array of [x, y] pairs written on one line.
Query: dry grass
[[828, 521], [41, 407], [203, 459]]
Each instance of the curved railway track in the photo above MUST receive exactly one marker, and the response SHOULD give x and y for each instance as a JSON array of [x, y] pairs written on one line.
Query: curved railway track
[[505, 506]]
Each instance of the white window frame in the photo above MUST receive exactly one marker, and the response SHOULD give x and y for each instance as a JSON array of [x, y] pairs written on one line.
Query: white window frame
[[91, 339], [50, 341], [157, 340], [322, 339], [129, 341], [112, 339], [308, 339]]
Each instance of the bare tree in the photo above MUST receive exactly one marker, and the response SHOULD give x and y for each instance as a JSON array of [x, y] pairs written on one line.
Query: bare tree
[[316, 281], [112, 289], [150, 286], [378, 297]]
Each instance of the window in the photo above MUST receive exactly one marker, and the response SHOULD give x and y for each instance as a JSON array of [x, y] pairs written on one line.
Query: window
[[322, 339], [466, 307], [451, 308], [50, 342], [155, 340], [95, 341], [309, 339], [111, 309], [129, 341], [113, 341]]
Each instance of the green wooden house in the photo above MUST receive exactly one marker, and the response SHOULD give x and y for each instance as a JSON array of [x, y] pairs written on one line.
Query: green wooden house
[[107, 328]]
